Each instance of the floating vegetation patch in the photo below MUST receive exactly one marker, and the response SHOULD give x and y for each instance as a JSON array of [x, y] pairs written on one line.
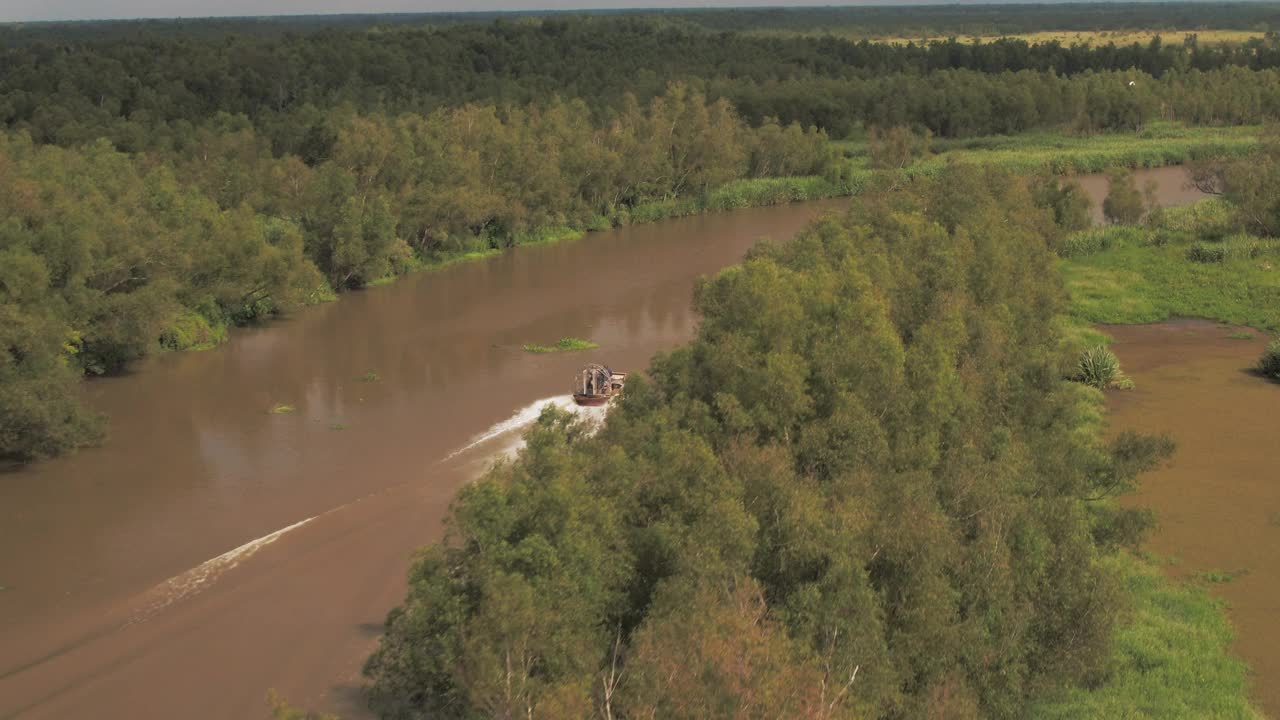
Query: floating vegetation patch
[[568, 344], [281, 409], [370, 376], [1220, 577]]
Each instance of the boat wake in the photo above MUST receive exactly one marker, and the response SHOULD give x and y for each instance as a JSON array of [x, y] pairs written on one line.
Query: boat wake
[[509, 431], [194, 580], [523, 419]]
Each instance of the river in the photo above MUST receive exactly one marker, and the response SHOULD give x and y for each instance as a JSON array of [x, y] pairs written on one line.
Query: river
[[211, 549]]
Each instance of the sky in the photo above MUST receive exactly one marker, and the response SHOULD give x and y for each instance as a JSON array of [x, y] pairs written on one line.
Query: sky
[[19, 10]]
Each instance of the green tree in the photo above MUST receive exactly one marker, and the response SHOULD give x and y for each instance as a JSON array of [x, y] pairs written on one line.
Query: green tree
[[1124, 203]]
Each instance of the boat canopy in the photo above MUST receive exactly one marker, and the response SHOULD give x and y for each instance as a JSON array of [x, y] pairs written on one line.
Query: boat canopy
[[594, 379]]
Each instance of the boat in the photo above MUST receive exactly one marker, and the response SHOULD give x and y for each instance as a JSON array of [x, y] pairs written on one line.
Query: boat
[[596, 385]]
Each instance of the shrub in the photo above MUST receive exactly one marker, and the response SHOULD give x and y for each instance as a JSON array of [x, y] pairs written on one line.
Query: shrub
[[1269, 363], [1100, 368], [1203, 252], [191, 331]]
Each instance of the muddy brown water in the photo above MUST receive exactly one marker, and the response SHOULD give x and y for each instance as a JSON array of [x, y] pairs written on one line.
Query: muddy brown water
[[1218, 501], [150, 577], [1172, 187]]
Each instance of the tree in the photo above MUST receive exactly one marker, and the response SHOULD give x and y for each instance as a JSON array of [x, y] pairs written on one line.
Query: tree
[[1066, 199], [1124, 203]]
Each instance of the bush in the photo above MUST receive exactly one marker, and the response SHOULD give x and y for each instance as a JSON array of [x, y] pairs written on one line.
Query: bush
[[191, 331], [1123, 204], [1269, 363], [1203, 252]]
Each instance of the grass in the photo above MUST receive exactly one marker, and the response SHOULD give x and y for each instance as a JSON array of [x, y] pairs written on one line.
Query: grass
[[1145, 275], [1240, 336], [1170, 659], [1158, 145], [281, 409], [568, 344]]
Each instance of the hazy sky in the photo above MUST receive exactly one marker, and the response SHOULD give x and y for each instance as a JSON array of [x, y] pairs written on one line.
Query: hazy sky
[[95, 9]]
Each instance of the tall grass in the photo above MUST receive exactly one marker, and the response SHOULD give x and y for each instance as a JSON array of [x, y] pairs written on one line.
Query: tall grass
[[1171, 659], [1159, 145]]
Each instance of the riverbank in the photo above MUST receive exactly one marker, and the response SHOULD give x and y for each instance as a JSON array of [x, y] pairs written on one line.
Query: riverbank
[[1162, 145], [1213, 504]]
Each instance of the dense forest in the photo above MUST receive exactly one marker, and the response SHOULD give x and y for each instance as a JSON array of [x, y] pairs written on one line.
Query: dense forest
[[864, 490], [149, 92], [165, 186], [872, 21]]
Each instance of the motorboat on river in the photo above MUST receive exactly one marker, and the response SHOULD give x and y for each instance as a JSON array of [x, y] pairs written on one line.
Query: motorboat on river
[[596, 385]]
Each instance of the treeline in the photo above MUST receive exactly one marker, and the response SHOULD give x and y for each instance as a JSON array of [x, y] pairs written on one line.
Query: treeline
[[150, 91], [864, 490], [991, 19], [875, 21], [105, 256]]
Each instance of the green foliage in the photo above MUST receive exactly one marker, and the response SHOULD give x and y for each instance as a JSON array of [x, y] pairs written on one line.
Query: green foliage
[[1124, 203], [1141, 284], [563, 345], [1067, 200], [1096, 240], [370, 377], [1035, 152], [281, 409], [1269, 363], [1171, 660], [1202, 252], [191, 331], [1125, 274], [1100, 368]]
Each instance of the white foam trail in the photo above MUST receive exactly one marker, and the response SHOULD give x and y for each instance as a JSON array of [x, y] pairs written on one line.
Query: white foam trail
[[192, 581], [523, 418]]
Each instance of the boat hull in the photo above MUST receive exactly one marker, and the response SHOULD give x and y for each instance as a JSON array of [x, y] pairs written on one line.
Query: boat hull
[[591, 400]]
